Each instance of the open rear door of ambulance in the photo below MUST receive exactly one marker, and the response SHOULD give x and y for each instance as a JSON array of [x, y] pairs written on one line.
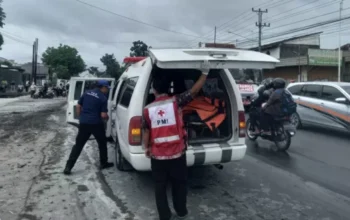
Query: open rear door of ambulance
[[76, 86], [79, 85], [227, 142], [218, 58]]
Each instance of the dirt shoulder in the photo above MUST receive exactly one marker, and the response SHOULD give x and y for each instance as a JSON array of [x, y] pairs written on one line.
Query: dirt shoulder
[[35, 143]]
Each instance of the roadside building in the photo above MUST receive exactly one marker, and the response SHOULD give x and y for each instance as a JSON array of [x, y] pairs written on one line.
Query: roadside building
[[42, 74], [302, 59], [9, 72]]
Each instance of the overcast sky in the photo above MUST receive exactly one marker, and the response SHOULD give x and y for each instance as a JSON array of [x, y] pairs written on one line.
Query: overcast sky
[[94, 32]]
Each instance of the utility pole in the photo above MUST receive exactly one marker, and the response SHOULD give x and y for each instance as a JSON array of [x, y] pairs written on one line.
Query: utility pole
[[35, 60], [339, 48], [299, 65], [215, 35], [259, 24]]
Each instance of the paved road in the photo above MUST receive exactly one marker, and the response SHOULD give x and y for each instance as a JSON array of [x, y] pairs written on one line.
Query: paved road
[[309, 182]]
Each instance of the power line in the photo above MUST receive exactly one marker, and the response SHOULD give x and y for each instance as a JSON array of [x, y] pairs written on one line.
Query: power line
[[278, 16], [15, 39], [226, 25], [319, 24], [308, 27], [337, 11], [247, 19], [297, 13], [134, 20], [211, 32]]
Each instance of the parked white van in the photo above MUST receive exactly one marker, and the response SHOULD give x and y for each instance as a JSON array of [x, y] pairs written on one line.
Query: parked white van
[[132, 92]]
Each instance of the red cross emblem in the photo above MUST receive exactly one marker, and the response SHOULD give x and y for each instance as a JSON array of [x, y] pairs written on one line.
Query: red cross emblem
[[161, 113]]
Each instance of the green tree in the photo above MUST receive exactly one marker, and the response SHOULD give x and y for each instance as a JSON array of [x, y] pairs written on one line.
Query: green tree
[[64, 60], [2, 19], [62, 72], [112, 65], [94, 71], [139, 49]]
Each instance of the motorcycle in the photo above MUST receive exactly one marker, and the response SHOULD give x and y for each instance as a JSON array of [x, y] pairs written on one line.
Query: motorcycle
[[39, 93], [64, 93], [20, 88], [60, 92], [281, 129]]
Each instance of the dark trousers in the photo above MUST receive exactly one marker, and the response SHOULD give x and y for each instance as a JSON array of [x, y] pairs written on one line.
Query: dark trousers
[[84, 133], [174, 171], [266, 121], [254, 117]]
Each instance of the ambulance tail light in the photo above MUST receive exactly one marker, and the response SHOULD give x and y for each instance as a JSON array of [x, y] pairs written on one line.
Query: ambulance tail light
[[242, 125], [132, 60], [135, 126]]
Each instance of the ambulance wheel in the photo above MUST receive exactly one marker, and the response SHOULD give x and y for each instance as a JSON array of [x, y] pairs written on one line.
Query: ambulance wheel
[[121, 163]]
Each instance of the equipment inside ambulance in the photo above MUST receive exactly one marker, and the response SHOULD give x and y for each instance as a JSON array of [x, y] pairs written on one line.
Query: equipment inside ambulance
[[214, 120]]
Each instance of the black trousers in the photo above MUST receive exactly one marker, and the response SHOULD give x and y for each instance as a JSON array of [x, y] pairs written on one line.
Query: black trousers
[[84, 133], [254, 117], [174, 171], [266, 121]]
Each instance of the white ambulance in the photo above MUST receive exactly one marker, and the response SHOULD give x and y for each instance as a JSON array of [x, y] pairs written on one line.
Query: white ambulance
[[132, 92]]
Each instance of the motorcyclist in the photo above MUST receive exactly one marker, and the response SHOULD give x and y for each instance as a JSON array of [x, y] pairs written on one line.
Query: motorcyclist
[[262, 96], [45, 88], [272, 108], [32, 89]]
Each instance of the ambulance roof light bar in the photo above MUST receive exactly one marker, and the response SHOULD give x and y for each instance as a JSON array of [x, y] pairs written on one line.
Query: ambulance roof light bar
[[131, 60]]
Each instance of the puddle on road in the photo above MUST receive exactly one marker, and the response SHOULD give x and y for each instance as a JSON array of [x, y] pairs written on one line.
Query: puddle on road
[[82, 188]]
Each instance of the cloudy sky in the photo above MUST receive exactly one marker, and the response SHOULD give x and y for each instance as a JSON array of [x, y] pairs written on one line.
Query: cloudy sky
[[180, 23]]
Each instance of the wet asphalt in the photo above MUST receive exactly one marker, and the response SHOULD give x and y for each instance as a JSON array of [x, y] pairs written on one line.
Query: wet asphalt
[[309, 181]]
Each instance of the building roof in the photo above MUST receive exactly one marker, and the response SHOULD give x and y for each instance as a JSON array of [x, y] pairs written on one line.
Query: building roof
[[41, 68], [277, 43], [345, 47]]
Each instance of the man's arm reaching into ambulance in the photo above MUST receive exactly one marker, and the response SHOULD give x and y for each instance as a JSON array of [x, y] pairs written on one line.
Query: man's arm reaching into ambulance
[[186, 97], [205, 67]]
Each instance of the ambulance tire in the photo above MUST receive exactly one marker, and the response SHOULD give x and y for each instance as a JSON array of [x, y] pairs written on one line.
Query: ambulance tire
[[121, 163]]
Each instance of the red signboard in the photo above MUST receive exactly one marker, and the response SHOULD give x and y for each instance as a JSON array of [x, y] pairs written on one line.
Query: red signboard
[[245, 88]]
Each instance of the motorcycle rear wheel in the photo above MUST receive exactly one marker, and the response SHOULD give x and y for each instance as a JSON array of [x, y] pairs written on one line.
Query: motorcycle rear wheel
[[285, 143], [248, 131]]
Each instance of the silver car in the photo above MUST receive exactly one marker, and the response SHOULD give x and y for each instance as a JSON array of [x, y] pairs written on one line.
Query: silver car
[[325, 104]]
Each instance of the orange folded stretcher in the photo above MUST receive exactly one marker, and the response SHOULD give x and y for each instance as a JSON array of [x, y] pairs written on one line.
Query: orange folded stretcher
[[211, 112]]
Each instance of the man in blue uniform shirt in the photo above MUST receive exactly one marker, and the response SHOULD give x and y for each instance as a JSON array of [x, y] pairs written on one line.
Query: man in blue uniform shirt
[[92, 111]]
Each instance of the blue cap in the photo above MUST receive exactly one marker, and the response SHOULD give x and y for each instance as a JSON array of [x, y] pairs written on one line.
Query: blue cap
[[103, 83]]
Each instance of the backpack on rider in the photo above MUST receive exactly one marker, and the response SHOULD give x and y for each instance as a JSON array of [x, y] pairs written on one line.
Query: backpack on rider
[[288, 106]]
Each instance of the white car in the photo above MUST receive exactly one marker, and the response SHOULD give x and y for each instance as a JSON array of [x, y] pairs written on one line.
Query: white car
[[133, 92], [325, 104]]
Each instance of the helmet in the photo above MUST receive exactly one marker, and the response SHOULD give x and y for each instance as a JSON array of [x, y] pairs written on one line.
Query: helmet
[[266, 94], [267, 81], [279, 83]]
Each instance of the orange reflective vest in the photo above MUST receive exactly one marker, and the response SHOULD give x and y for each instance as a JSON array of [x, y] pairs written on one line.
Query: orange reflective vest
[[211, 112]]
